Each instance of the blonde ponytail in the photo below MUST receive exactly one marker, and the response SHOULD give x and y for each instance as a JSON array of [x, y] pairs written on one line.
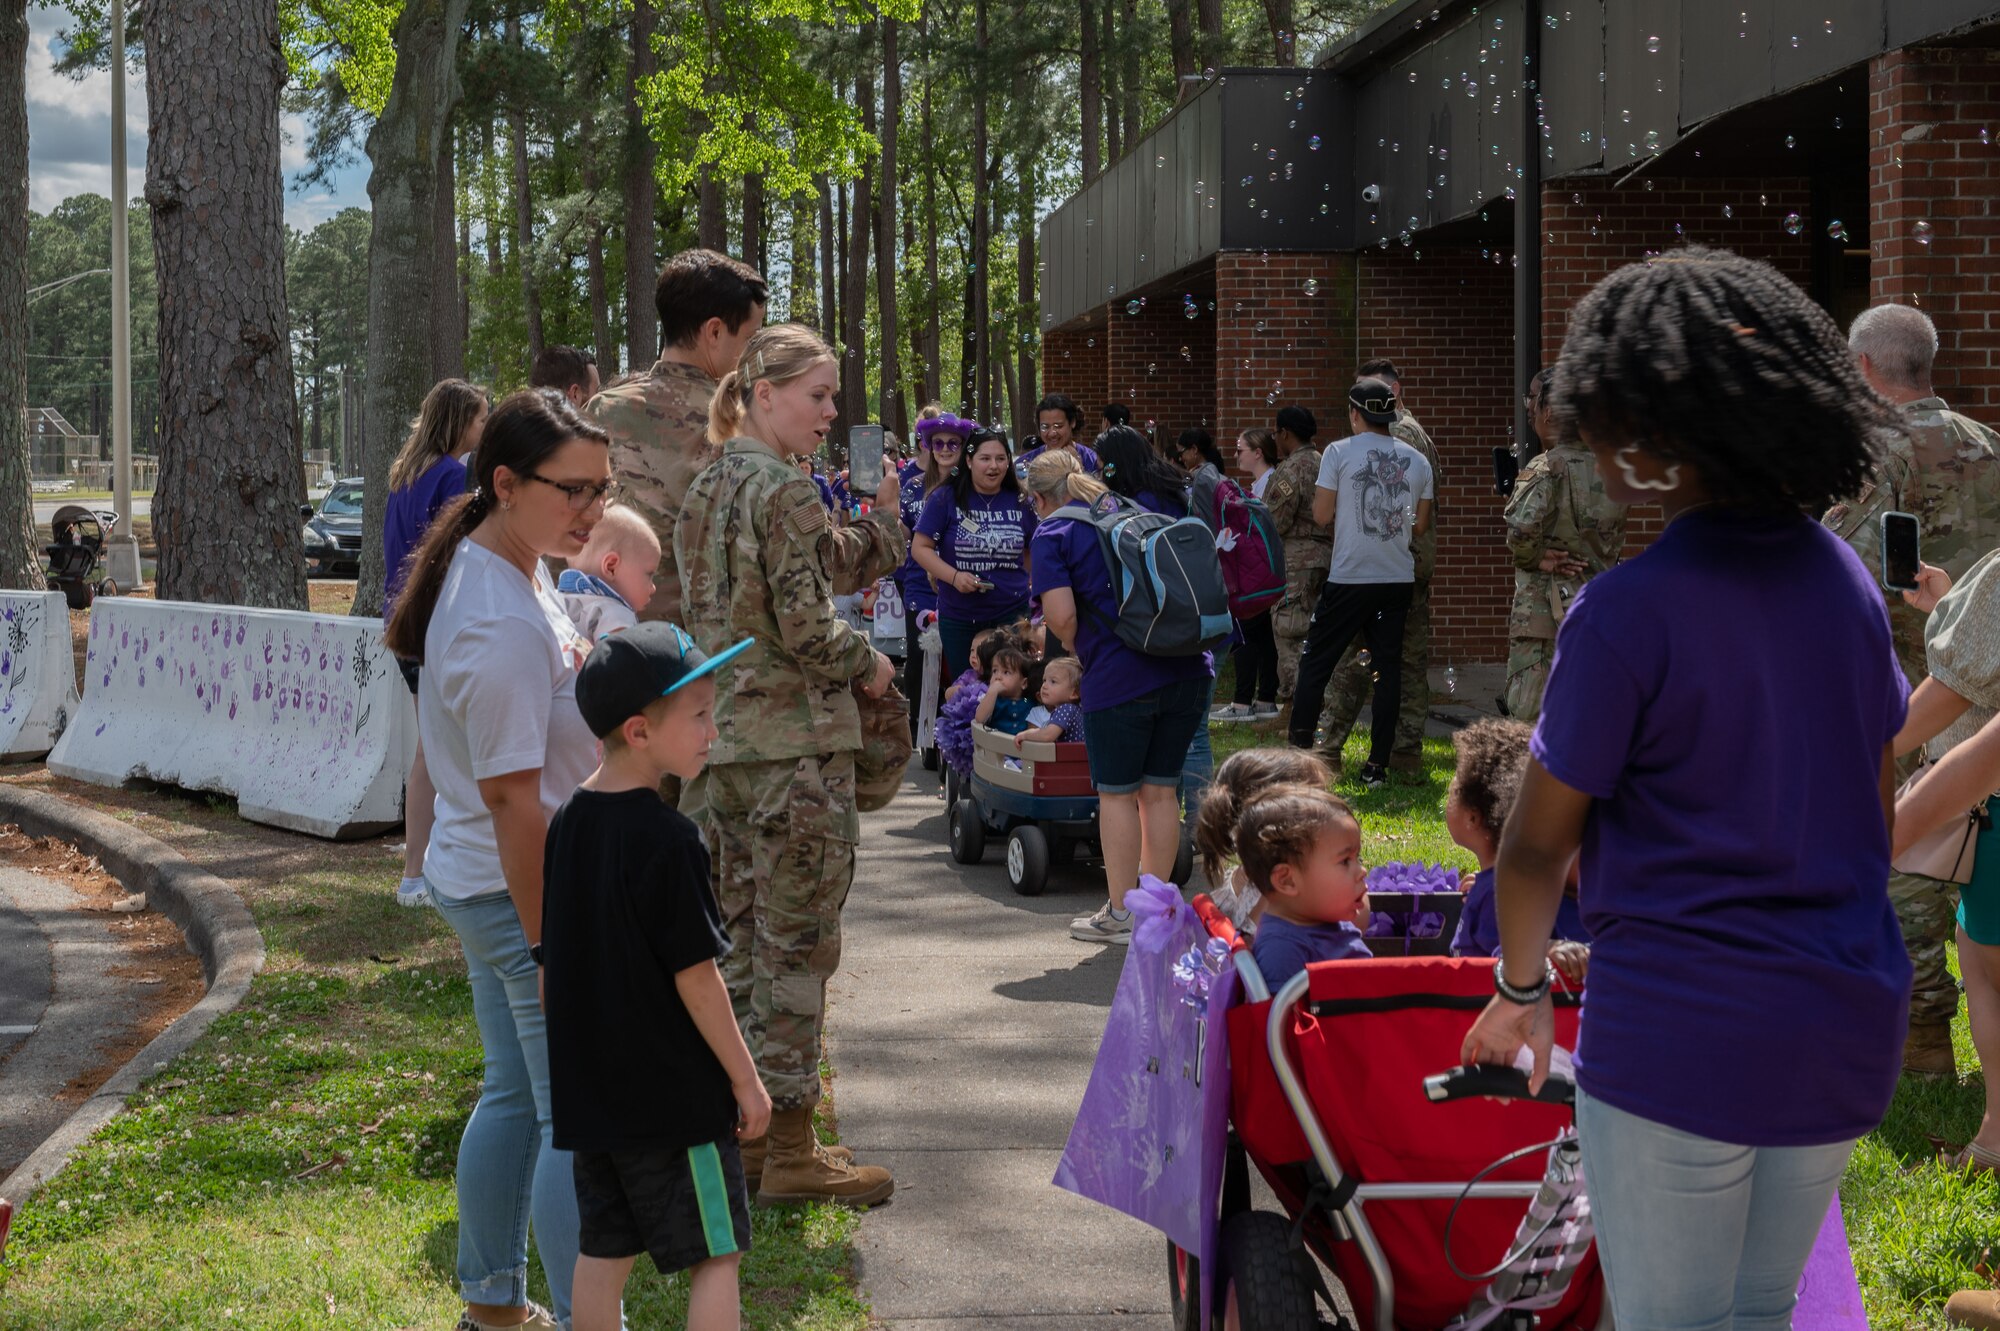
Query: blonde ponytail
[[1057, 475], [725, 408]]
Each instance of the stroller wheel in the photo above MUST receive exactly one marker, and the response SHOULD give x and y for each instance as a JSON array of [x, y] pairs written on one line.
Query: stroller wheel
[[1184, 1288], [1028, 860], [107, 588], [968, 834], [1267, 1286]]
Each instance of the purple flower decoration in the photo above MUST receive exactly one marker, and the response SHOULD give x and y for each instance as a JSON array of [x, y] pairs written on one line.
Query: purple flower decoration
[[1155, 907], [1195, 971]]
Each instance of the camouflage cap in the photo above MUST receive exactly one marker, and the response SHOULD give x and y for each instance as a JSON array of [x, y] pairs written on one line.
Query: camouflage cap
[[885, 748]]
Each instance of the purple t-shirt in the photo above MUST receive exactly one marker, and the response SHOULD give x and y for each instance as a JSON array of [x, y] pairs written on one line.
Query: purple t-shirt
[[1070, 717], [918, 594], [1086, 456], [1479, 920], [1283, 949], [1725, 699], [1067, 554], [408, 515], [989, 537]]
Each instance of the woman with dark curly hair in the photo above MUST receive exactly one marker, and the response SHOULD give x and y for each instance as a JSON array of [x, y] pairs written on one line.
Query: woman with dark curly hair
[[1716, 737]]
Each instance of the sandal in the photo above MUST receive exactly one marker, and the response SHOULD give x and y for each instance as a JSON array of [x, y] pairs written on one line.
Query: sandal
[[1972, 1159]]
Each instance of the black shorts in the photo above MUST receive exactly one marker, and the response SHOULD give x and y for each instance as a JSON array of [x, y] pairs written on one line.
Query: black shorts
[[410, 669], [680, 1206]]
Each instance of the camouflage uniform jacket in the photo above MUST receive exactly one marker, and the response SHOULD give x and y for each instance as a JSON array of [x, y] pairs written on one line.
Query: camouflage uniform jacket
[[1946, 474], [1424, 547], [1558, 504], [758, 550], [1289, 498], [658, 423]]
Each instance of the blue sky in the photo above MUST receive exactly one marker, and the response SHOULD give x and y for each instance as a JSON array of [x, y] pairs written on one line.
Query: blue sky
[[69, 138]]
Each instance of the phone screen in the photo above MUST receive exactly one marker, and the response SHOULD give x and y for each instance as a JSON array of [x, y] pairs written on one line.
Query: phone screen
[[1505, 470], [864, 462], [1899, 552]]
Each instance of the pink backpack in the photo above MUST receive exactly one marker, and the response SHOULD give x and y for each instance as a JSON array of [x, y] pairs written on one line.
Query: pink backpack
[[1253, 570]]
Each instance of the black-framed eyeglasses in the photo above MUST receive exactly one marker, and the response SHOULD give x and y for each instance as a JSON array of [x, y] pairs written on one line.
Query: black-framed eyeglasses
[[581, 494]]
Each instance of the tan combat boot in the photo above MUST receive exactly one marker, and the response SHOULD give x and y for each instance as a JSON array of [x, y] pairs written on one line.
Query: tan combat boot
[[1927, 1052], [753, 1159], [797, 1170]]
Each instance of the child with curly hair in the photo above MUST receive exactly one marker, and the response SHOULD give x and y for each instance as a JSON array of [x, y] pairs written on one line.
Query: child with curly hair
[[1492, 759], [1301, 848], [1242, 777]]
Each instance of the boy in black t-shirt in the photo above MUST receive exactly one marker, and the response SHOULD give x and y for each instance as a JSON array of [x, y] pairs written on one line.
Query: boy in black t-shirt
[[650, 1081]]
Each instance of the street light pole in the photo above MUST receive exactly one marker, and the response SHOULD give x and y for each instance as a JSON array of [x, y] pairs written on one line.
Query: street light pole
[[124, 545]]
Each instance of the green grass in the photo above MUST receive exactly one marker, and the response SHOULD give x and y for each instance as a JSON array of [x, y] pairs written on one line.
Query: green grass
[[202, 1205]]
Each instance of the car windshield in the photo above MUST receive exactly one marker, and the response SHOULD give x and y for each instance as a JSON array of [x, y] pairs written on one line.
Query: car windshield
[[343, 501]]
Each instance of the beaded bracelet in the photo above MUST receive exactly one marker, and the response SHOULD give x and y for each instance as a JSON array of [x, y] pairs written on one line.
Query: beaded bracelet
[[1514, 994]]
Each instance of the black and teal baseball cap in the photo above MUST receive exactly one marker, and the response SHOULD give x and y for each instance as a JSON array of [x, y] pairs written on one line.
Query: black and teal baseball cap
[[631, 670]]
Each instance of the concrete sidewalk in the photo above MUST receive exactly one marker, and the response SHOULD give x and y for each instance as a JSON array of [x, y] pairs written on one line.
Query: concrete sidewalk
[[962, 1028]]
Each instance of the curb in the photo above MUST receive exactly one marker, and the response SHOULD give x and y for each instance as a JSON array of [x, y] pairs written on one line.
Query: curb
[[219, 929]]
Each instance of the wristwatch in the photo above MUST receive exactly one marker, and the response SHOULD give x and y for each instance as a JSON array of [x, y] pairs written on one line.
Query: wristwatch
[[535, 953]]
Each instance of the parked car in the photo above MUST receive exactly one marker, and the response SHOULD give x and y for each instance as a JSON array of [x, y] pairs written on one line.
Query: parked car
[[333, 531]]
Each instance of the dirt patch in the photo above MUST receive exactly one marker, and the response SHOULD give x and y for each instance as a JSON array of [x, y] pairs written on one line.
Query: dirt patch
[[166, 978]]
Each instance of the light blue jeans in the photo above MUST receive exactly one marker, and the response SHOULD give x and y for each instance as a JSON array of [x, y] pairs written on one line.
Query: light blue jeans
[[507, 1169], [1199, 766], [1697, 1234]]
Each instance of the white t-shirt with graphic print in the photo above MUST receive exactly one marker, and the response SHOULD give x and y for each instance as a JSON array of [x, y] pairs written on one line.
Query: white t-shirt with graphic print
[[1380, 481]]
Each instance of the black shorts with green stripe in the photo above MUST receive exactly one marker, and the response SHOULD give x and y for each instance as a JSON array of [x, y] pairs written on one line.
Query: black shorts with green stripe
[[681, 1206]]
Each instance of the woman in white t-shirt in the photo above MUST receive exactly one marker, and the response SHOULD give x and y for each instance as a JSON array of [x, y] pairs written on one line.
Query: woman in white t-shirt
[[496, 710]]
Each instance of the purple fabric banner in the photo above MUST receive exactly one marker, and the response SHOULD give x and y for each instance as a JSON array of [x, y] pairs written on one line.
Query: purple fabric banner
[[1829, 1294]]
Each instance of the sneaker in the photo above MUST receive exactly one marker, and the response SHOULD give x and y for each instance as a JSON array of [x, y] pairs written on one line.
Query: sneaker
[[1234, 711], [1103, 927], [1374, 775], [413, 892], [1265, 711], [539, 1319]]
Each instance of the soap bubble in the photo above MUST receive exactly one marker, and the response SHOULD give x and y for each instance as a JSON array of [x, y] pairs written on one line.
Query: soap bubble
[[1270, 154], [1653, 45], [1791, 142], [1311, 287], [1159, 162], [1132, 307], [1313, 143], [1837, 229], [1727, 211], [1921, 233], [1794, 224], [1187, 353]]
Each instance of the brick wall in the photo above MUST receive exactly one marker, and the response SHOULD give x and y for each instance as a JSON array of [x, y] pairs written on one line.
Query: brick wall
[[1444, 314], [1284, 336], [1160, 362], [1073, 363], [1928, 109]]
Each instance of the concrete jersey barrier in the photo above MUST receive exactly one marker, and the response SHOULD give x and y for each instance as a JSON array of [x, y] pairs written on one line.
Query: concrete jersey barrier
[[37, 672], [304, 718]]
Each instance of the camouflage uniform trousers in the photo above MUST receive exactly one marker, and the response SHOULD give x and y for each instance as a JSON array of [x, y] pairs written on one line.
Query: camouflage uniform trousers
[[1353, 681], [1528, 661], [1289, 621], [1928, 911], [782, 836]]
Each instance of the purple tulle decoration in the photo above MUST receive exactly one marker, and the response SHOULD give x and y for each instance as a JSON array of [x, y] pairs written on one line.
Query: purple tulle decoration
[[1411, 879], [1157, 910], [1196, 969], [954, 723]]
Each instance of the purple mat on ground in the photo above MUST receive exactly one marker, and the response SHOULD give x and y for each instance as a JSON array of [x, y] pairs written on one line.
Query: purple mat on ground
[[1829, 1295]]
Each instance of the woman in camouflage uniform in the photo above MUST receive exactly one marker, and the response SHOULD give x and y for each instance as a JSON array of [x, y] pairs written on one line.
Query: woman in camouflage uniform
[[761, 558], [1563, 531], [1308, 546]]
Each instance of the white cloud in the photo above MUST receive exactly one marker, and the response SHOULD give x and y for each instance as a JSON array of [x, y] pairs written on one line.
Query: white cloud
[[69, 136]]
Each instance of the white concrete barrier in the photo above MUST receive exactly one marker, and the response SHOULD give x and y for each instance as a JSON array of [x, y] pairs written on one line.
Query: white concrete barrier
[[304, 718], [37, 672]]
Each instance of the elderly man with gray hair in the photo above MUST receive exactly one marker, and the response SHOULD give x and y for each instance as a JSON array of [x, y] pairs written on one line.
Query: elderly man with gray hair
[[1947, 473]]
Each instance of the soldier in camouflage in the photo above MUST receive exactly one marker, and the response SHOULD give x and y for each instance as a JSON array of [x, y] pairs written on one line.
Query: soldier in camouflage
[[1947, 474], [777, 799], [1353, 678], [1308, 546], [1563, 531], [709, 306]]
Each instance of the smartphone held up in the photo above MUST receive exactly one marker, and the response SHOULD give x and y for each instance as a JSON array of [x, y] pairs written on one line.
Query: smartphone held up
[[1901, 559]]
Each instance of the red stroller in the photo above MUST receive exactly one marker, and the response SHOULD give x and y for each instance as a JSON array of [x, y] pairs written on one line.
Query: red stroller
[[1434, 1207]]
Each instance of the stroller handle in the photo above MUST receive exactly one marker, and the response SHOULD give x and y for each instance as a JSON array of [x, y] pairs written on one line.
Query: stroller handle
[[1469, 1081]]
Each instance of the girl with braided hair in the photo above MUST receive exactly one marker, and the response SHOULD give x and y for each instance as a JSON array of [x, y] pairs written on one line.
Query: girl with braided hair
[[1716, 737]]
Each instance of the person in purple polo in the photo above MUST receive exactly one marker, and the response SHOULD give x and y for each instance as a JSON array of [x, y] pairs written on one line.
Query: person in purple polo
[[1057, 421], [972, 538], [1140, 712], [1717, 738]]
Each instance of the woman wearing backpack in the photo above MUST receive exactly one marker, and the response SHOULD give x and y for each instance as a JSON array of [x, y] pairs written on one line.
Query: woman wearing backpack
[[1202, 461], [972, 538], [1257, 654], [1140, 712]]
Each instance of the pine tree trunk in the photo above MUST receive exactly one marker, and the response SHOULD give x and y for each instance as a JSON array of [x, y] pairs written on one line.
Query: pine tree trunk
[[1208, 21], [605, 350], [933, 298], [447, 334], [854, 301], [805, 267], [1284, 47], [20, 555], [1090, 89], [642, 319], [524, 214], [404, 150], [1180, 37], [226, 512], [1108, 57], [895, 412], [1128, 78], [981, 237], [1024, 293], [829, 276], [753, 221]]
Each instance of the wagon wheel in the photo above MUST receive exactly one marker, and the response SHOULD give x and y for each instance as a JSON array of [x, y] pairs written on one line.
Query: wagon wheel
[[1028, 860], [968, 834], [1268, 1285]]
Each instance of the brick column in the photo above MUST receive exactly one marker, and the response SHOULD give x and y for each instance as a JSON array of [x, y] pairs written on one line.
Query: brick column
[[1445, 315], [1284, 336], [1934, 182]]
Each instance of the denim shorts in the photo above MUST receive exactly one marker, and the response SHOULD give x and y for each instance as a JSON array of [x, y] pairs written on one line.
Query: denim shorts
[[1145, 742]]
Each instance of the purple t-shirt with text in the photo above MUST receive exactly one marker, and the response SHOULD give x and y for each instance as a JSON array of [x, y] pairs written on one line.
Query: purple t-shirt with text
[[408, 515], [910, 576], [1725, 699], [989, 536], [1067, 554]]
